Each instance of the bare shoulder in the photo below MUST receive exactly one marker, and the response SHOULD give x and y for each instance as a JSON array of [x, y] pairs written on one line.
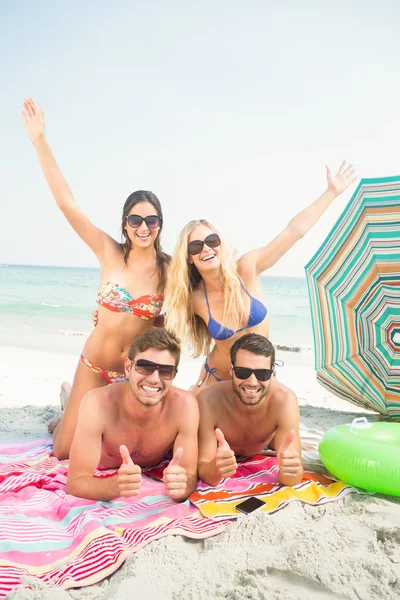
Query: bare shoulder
[[284, 398], [214, 396], [184, 410], [99, 402], [182, 399], [246, 266], [114, 252], [284, 393], [95, 397]]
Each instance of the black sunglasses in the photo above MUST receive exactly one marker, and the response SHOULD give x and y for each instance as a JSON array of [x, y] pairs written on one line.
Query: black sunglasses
[[152, 221], [245, 373], [196, 246], [147, 367]]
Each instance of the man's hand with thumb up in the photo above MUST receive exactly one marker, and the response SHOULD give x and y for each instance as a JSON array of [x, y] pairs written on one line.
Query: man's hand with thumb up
[[225, 460], [290, 467], [175, 477], [129, 475]]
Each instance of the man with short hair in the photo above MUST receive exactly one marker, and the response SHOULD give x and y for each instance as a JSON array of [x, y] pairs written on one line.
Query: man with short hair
[[132, 425], [243, 416]]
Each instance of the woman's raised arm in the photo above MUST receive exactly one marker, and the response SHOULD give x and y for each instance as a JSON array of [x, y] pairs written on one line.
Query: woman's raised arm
[[264, 258], [95, 238]]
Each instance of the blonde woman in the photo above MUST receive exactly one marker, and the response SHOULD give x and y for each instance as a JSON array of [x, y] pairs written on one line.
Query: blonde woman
[[132, 280], [212, 300]]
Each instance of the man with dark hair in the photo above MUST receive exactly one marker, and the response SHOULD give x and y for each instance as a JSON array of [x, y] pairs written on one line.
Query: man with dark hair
[[243, 416], [132, 425]]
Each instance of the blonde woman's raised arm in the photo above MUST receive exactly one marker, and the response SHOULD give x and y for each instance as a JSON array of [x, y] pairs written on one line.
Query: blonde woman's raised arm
[[264, 258], [95, 238]]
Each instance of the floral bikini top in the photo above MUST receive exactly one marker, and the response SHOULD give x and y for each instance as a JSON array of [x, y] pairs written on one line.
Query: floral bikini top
[[117, 298]]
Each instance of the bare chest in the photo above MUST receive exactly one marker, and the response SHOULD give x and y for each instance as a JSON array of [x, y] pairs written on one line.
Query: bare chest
[[147, 446], [135, 279], [250, 437]]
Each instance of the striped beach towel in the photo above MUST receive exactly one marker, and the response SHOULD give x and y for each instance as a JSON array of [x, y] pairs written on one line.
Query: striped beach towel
[[258, 476], [71, 542]]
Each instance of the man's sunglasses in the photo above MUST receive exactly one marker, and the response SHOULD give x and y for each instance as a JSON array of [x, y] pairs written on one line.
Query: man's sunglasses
[[152, 222], [245, 373], [147, 367], [196, 246]]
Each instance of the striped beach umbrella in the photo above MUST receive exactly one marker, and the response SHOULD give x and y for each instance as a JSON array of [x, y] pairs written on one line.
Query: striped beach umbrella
[[354, 288]]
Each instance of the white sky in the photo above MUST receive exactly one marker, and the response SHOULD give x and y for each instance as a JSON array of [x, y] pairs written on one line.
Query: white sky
[[227, 110]]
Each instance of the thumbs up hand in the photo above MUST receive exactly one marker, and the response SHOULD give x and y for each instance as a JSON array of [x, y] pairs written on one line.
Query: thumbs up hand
[[175, 477], [225, 460], [129, 475], [288, 458]]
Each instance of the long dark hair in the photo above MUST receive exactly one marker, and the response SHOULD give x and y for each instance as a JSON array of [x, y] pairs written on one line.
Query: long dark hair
[[162, 258]]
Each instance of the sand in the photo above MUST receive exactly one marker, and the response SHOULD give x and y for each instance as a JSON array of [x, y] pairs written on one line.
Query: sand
[[347, 549]]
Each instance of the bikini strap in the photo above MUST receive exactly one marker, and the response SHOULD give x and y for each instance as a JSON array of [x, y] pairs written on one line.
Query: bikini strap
[[205, 293], [247, 292]]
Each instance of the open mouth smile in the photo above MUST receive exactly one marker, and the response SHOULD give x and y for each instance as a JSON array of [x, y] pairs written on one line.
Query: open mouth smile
[[143, 236], [150, 389], [208, 257], [251, 391]]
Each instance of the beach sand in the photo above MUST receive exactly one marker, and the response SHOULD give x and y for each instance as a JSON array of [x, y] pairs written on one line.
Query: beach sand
[[347, 549]]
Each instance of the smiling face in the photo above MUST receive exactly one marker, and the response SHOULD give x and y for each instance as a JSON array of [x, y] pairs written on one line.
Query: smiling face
[[208, 259], [149, 390], [142, 236], [251, 391]]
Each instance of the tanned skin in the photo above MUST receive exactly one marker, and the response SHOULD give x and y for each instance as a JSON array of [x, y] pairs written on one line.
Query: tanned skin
[[242, 417], [132, 425]]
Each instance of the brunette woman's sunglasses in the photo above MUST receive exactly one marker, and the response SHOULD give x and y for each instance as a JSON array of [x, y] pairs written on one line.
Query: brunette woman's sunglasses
[[147, 367], [152, 222], [196, 246], [245, 373]]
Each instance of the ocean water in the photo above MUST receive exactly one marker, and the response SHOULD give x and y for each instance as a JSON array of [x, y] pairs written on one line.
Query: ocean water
[[50, 308]]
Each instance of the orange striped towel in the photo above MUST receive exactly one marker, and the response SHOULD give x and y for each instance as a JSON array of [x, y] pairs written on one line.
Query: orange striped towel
[[258, 476]]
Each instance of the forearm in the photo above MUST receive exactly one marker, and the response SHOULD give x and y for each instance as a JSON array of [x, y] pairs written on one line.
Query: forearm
[[94, 488], [307, 218], [191, 485], [55, 179], [209, 473], [291, 480]]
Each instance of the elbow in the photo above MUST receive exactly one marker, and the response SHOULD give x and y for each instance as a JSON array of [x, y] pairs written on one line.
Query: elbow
[[64, 205], [59, 451], [297, 230], [209, 479], [75, 487], [71, 488], [203, 475]]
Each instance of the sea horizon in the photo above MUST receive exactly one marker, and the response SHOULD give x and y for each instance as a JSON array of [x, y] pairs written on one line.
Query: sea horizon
[[47, 266], [42, 306]]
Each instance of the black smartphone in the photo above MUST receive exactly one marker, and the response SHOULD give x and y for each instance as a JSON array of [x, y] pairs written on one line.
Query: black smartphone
[[249, 505]]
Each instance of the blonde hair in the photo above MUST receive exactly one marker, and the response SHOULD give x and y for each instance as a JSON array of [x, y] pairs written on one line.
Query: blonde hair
[[183, 278]]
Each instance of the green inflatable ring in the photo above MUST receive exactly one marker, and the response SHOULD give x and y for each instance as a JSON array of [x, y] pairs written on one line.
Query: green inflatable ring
[[366, 455]]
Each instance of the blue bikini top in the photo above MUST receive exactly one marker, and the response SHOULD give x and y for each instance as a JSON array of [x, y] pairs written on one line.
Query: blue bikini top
[[258, 312]]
